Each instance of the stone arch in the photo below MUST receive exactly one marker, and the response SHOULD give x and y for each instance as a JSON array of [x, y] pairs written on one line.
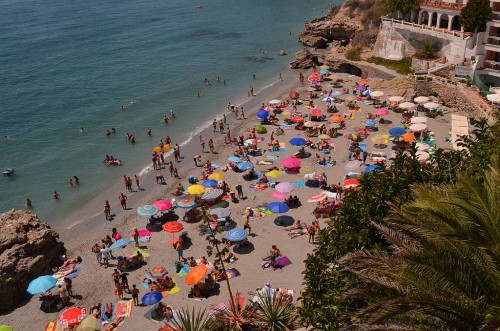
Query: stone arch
[[443, 22], [455, 24], [425, 17], [350, 69], [434, 17]]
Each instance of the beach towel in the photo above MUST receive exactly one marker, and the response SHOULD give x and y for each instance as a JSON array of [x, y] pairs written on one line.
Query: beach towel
[[328, 165], [299, 184], [184, 271], [174, 289], [144, 253], [124, 308], [264, 211], [362, 147], [277, 195], [282, 262], [232, 273], [103, 314], [220, 308], [50, 326], [271, 158], [65, 271]]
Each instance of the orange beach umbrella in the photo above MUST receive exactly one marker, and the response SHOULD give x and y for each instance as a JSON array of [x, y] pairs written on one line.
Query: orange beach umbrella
[[196, 274]]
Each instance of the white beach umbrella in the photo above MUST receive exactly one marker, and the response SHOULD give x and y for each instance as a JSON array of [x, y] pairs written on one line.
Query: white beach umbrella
[[309, 124], [275, 102], [418, 127], [494, 98], [431, 105], [406, 105], [396, 98], [422, 156], [421, 99], [422, 146], [418, 120], [377, 94]]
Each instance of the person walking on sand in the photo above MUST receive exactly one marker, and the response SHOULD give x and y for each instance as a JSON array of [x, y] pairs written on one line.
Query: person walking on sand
[[136, 237], [311, 229], [221, 126], [239, 189], [107, 211], [242, 113], [63, 294], [214, 124], [135, 295], [176, 174], [228, 133], [202, 143], [211, 145], [179, 248], [123, 201], [171, 169], [137, 183], [247, 224]]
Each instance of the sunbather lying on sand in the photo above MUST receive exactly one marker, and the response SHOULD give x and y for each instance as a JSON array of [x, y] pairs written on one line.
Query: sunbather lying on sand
[[298, 233]]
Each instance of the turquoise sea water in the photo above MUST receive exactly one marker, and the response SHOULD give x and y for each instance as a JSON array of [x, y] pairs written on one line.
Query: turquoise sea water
[[71, 64]]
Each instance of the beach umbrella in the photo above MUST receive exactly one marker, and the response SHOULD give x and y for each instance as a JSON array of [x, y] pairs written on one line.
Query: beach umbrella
[[313, 78], [420, 119], [284, 220], [379, 140], [423, 155], [371, 168], [89, 323], [421, 99], [151, 298], [291, 162], [275, 102], [351, 136], [382, 112], [309, 124], [336, 118], [236, 234], [318, 197], [397, 131], [260, 129], [408, 137], [431, 105], [336, 125], [311, 89], [216, 176], [323, 136], [377, 94], [363, 81], [370, 122], [162, 205], [351, 183], [406, 105], [186, 203], [316, 112], [73, 316], [41, 284], [220, 212], [297, 141], [4, 327], [284, 187], [120, 243], [352, 165], [297, 119], [418, 127], [196, 274], [245, 165], [158, 272], [234, 159], [422, 146], [286, 114], [495, 98], [361, 88], [172, 227], [212, 194], [396, 98], [209, 183], [327, 100], [324, 71], [278, 207], [147, 210], [274, 173], [262, 114], [294, 95], [196, 189]]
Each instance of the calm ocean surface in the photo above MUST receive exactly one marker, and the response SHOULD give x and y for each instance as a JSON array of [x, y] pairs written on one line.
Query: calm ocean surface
[[71, 64]]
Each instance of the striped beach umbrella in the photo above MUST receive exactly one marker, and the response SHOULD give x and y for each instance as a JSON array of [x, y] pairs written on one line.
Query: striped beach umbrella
[[147, 210], [186, 203], [158, 272], [353, 165], [351, 136], [172, 227], [220, 212], [351, 183], [212, 194], [72, 316], [236, 234], [318, 197]]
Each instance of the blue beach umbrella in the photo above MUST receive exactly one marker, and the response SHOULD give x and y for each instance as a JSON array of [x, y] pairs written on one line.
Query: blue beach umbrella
[[370, 122], [397, 131], [324, 71], [234, 159], [245, 165], [120, 243], [41, 284], [209, 183], [147, 210], [151, 298], [236, 234], [262, 114], [336, 94], [278, 207], [373, 168], [297, 141]]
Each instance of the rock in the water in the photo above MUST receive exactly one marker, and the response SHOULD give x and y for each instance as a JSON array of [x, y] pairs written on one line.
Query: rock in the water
[[29, 248], [282, 52], [304, 60]]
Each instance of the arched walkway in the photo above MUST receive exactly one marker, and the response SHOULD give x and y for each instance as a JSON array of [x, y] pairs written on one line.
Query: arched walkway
[[443, 21], [455, 24]]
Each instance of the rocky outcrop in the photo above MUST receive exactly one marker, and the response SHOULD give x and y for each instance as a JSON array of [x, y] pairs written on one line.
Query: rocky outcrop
[[304, 59], [282, 52], [29, 248]]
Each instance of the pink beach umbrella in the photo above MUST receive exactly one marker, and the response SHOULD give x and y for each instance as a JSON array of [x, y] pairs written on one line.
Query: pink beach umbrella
[[382, 112], [284, 187], [315, 112], [162, 205], [291, 162]]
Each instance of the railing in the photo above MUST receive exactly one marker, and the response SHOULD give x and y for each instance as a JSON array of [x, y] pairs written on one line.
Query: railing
[[443, 5], [494, 41], [424, 27]]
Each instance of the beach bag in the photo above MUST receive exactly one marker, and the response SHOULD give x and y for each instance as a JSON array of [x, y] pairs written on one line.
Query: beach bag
[[266, 265]]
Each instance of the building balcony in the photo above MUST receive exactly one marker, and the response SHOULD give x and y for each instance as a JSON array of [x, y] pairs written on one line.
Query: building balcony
[[493, 41], [495, 16], [457, 6]]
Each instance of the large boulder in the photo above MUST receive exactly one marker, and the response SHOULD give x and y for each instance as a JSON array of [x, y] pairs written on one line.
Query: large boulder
[[304, 60], [29, 248]]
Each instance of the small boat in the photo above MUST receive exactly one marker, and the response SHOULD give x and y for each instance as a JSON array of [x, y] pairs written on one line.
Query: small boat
[[199, 6], [8, 171]]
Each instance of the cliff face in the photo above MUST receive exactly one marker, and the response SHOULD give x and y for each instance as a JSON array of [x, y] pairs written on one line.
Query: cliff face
[[28, 249]]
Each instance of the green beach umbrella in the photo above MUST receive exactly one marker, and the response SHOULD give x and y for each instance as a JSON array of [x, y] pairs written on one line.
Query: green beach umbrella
[[6, 328], [260, 129]]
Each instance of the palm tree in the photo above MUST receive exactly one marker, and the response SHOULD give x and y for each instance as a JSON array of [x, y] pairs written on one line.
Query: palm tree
[[443, 269], [194, 321], [272, 314]]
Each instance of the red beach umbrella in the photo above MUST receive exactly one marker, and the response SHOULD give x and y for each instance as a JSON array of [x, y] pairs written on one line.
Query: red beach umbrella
[[351, 183], [172, 227], [294, 95], [162, 205], [72, 316], [316, 112], [297, 119]]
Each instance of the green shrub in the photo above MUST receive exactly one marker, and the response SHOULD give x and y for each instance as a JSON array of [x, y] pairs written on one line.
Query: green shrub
[[401, 66], [428, 51], [353, 54]]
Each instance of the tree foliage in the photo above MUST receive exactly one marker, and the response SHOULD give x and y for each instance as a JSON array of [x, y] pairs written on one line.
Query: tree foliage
[[428, 50], [403, 6], [475, 15]]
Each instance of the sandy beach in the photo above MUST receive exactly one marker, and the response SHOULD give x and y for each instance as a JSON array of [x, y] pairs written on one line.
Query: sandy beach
[[95, 284]]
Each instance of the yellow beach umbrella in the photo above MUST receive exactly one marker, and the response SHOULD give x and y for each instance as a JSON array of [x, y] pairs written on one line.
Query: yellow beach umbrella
[[196, 189], [274, 173], [324, 136], [216, 176]]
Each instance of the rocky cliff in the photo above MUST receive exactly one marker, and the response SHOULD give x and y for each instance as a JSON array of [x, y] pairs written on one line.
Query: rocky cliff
[[28, 248]]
